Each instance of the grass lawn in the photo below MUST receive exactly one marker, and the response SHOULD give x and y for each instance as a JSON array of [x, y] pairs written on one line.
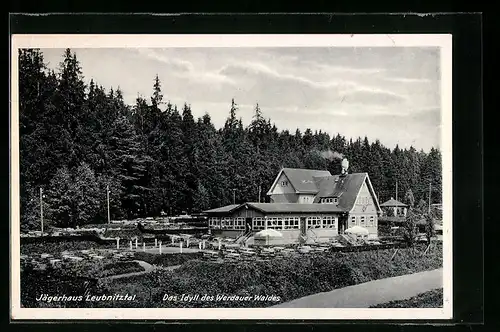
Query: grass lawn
[[431, 299], [166, 259]]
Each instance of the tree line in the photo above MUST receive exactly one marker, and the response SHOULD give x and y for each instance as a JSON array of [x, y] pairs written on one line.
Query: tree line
[[77, 140]]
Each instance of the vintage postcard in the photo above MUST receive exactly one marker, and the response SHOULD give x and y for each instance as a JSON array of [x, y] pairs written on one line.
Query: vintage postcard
[[231, 177]]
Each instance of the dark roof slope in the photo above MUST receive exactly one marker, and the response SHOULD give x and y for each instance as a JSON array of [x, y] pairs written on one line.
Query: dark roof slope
[[303, 179], [345, 187], [294, 207], [393, 203], [227, 208]]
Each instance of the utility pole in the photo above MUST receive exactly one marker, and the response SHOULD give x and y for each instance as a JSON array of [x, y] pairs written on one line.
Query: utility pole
[[107, 196], [396, 190], [429, 211], [41, 208], [259, 192], [234, 196]]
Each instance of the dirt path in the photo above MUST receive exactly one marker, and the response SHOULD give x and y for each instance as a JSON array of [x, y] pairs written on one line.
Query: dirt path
[[147, 269], [372, 292]]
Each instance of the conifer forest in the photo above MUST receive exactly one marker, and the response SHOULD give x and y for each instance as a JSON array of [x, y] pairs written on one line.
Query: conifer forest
[[77, 139]]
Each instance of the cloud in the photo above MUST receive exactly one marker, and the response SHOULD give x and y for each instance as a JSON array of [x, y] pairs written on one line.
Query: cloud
[[185, 69], [343, 69], [373, 95], [176, 64], [253, 69], [407, 80]]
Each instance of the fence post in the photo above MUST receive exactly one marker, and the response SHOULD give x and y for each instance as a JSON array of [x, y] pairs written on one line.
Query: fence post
[[394, 253], [172, 239], [135, 243], [180, 247], [143, 246], [426, 249], [219, 244], [130, 244], [117, 243], [187, 243], [156, 242], [160, 247]]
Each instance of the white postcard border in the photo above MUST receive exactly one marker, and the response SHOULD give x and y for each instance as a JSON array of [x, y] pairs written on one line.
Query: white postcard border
[[443, 41]]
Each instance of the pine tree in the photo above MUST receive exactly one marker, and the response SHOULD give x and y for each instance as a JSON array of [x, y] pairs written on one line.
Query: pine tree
[[157, 97], [86, 195], [191, 174], [60, 199], [129, 165]]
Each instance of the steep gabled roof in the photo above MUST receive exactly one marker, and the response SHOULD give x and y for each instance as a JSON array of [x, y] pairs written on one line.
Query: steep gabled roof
[[302, 180], [393, 203], [344, 187]]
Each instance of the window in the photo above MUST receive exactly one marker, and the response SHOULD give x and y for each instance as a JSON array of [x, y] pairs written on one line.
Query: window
[[329, 222], [226, 222], [330, 200], [371, 221], [353, 220], [214, 222], [258, 223], [275, 223], [362, 221], [290, 222], [284, 183], [239, 223], [313, 222]]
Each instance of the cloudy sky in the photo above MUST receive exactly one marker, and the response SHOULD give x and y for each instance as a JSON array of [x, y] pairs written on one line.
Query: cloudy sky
[[392, 93]]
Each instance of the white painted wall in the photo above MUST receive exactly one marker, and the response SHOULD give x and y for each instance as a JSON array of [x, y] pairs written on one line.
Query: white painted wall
[[306, 199], [280, 189]]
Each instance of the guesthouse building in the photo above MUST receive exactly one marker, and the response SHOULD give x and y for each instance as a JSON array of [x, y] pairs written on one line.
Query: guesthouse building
[[305, 206]]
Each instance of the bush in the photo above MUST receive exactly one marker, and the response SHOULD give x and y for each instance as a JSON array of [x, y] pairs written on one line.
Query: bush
[[431, 299], [57, 247], [120, 268], [55, 282]]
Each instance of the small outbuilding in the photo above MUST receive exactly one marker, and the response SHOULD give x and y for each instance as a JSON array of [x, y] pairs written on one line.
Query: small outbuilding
[[394, 208]]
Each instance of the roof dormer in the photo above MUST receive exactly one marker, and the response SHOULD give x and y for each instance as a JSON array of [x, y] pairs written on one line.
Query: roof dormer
[[329, 200]]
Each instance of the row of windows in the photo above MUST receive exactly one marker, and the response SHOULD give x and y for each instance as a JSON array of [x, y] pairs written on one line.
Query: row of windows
[[274, 222], [334, 200], [362, 221], [282, 223], [227, 222], [321, 222], [364, 200]]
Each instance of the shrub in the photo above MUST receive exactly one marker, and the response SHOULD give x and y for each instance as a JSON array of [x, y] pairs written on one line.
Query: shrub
[[120, 268], [54, 282], [57, 247], [431, 299]]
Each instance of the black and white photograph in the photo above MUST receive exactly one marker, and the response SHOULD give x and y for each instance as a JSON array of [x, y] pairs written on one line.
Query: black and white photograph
[[288, 177]]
